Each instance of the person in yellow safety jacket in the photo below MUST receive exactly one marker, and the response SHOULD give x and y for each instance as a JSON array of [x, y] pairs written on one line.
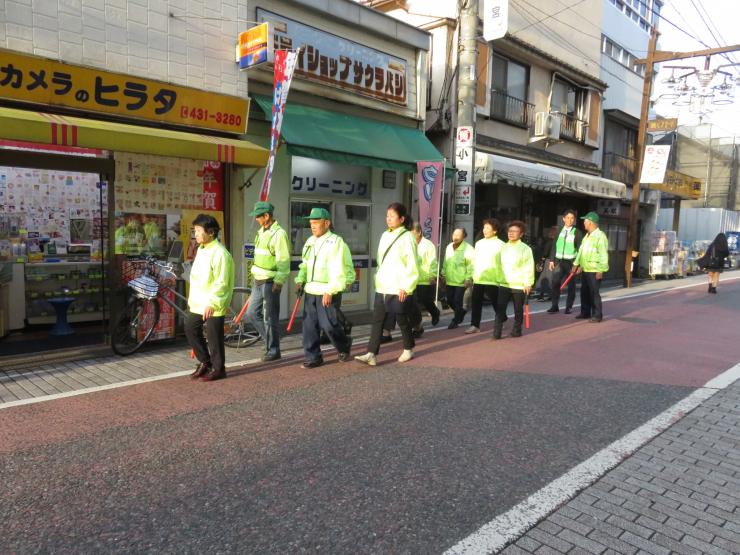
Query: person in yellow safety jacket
[[457, 271], [211, 287], [349, 269], [592, 262], [322, 276], [486, 271], [395, 282], [270, 271], [426, 255], [517, 278]]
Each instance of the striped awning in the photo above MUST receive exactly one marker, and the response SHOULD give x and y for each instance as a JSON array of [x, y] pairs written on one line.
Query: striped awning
[[52, 129]]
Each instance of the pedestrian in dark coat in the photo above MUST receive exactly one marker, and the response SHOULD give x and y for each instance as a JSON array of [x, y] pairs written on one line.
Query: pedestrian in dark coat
[[713, 260]]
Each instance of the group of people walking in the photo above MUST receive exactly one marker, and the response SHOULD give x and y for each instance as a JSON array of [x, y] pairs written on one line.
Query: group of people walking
[[405, 282]]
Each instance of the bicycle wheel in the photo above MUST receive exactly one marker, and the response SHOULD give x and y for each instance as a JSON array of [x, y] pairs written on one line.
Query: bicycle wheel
[[238, 334], [125, 336]]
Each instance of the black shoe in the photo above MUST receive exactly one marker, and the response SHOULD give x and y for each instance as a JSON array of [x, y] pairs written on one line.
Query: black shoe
[[710, 288], [212, 376], [582, 317], [452, 325], [713, 290], [270, 358], [435, 319], [515, 333], [417, 333], [345, 357], [568, 310], [386, 338], [595, 320], [200, 371], [552, 310], [315, 363]]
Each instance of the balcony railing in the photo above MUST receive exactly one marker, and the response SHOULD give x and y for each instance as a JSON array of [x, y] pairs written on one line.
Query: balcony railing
[[571, 128], [511, 109], [619, 168]]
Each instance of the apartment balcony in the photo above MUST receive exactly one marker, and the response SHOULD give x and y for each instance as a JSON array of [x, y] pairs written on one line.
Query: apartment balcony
[[511, 110], [619, 168], [571, 128]]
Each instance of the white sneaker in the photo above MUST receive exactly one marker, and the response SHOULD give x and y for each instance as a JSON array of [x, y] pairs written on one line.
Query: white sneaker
[[473, 329], [367, 358], [406, 355]]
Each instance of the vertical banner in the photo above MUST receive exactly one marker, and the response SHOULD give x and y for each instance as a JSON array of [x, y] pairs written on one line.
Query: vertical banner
[[284, 66], [429, 176]]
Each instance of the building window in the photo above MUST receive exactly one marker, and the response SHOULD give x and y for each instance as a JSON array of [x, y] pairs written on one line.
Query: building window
[[571, 103], [509, 92], [644, 13], [621, 55]]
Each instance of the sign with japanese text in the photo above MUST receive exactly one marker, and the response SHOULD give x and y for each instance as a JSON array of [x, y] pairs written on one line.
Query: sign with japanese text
[[609, 207], [654, 163], [310, 176], [284, 66], [336, 61], [464, 173], [464, 136], [254, 47], [430, 178], [680, 184], [495, 19], [662, 125], [462, 199], [47, 82]]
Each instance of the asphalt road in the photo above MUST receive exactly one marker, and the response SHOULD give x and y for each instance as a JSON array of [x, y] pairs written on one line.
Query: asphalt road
[[349, 459]]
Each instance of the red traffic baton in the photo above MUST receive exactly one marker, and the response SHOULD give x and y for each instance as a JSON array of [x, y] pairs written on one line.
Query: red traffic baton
[[292, 316], [570, 277], [526, 311]]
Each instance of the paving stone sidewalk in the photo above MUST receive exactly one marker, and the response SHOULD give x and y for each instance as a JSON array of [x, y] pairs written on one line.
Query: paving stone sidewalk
[[679, 493]]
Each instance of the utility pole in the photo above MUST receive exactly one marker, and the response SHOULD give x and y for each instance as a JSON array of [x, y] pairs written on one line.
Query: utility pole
[[653, 57], [464, 189]]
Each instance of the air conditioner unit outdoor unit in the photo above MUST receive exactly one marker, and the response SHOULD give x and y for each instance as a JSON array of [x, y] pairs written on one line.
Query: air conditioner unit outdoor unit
[[546, 126]]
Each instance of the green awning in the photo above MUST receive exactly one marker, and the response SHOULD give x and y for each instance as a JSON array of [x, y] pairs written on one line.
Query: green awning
[[328, 135]]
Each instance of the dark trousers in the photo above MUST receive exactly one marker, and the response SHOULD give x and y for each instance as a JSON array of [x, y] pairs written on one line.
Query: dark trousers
[[559, 275], [341, 318], [590, 296], [318, 318], [208, 346], [264, 313], [504, 296], [479, 292], [455, 296], [385, 305], [424, 298]]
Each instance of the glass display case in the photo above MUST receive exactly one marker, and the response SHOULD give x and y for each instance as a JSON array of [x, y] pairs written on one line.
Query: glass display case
[[83, 281]]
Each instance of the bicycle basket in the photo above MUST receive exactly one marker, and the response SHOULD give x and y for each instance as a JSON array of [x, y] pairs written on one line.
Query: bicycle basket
[[144, 287]]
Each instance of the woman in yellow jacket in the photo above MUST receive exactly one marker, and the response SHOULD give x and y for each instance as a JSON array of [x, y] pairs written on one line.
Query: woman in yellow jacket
[[486, 271], [517, 278], [395, 282]]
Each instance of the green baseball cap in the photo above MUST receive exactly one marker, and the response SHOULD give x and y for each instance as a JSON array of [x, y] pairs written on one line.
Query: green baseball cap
[[593, 216], [318, 214], [262, 207]]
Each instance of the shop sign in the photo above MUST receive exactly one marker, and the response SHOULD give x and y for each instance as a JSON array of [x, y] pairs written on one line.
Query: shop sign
[[665, 125], [43, 81], [680, 184], [462, 199], [654, 163], [495, 19], [319, 177], [336, 61], [607, 207], [254, 49], [464, 171]]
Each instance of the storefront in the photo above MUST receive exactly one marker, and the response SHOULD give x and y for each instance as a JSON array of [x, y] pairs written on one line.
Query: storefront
[[538, 194], [82, 198]]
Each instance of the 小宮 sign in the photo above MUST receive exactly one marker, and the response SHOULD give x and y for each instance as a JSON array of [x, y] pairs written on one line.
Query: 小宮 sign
[[47, 82], [254, 47]]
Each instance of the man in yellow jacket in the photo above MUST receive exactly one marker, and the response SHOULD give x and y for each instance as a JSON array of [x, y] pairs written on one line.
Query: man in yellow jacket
[[322, 276], [458, 273], [211, 287], [592, 262], [517, 278], [270, 270]]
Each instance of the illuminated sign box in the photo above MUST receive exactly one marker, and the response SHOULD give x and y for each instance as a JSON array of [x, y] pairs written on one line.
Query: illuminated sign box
[[254, 47]]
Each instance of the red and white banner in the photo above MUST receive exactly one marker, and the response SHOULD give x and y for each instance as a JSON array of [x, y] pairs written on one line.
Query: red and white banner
[[284, 65], [430, 177]]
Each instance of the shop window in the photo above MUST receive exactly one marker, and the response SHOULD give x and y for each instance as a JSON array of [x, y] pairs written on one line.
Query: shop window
[[350, 221]]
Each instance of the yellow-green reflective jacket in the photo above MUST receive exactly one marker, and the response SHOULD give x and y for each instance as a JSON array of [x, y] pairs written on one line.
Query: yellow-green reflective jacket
[[487, 265], [323, 268], [397, 265], [517, 265], [349, 267], [271, 254], [426, 255], [458, 264], [211, 279], [593, 256]]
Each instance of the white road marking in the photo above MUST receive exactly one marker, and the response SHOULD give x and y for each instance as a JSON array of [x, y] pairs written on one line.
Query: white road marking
[[509, 526]]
